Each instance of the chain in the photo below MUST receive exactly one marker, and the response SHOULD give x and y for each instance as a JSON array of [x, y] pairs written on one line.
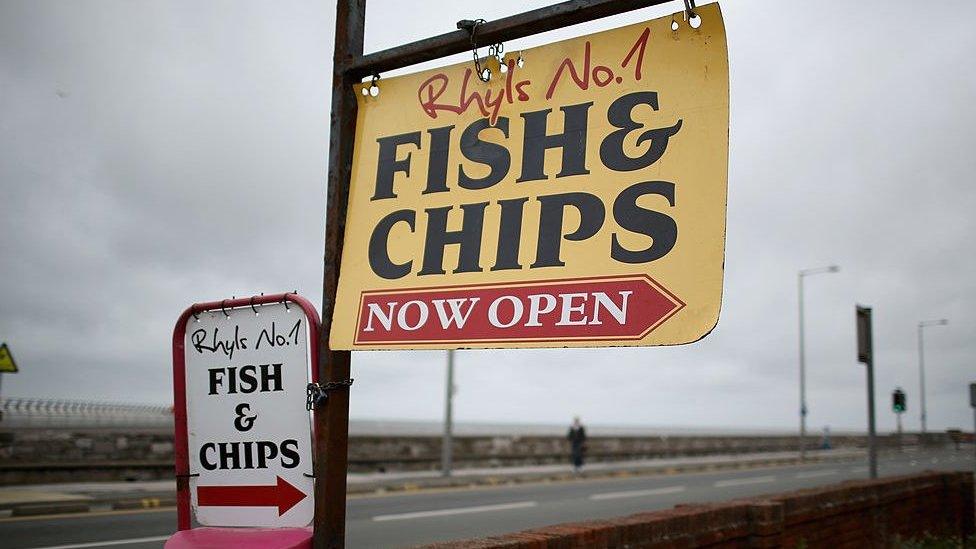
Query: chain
[[495, 50], [317, 393]]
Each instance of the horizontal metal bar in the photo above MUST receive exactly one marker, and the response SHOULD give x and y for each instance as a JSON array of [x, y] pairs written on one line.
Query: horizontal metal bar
[[524, 24]]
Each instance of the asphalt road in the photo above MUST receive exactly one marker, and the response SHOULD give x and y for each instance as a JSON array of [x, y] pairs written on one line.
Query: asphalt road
[[427, 516]]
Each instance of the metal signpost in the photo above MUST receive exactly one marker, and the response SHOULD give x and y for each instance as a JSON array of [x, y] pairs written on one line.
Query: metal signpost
[[7, 364], [447, 442], [803, 361], [243, 445], [921, 368], [972, 403], [525, 199], [865, 355]]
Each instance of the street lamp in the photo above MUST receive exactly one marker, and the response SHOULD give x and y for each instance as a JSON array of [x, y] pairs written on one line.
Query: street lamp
[[447, 442], [921, 363], [803, 373]]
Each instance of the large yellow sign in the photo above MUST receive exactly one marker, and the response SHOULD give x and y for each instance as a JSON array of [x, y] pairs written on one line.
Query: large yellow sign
[[577, 199]]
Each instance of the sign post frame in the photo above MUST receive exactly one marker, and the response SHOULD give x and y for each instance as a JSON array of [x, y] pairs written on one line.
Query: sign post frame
[[972, 404], [865, 355], [181, 438], [349, 67]]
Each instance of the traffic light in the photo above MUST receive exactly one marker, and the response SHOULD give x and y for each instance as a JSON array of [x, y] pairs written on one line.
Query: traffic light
[[898, 401]]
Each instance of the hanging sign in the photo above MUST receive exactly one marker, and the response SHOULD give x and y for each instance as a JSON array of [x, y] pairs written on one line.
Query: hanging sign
[[247, 435], [577, 198]]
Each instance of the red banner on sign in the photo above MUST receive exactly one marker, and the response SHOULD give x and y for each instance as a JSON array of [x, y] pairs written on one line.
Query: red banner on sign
[[627, 307]]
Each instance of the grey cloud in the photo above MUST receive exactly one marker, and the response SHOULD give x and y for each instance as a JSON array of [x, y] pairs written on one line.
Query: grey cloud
[[157, 154]]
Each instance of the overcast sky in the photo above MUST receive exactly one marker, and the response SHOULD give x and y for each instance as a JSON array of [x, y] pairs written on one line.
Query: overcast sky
[[155, 154]]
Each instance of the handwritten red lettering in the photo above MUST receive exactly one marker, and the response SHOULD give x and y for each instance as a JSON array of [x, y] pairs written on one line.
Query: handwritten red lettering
[[433, 92], [638, 48], [489, 102], [582, 83], [434, 87]]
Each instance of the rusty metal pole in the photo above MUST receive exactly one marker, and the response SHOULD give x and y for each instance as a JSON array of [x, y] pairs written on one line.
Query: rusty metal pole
[[332, 417]]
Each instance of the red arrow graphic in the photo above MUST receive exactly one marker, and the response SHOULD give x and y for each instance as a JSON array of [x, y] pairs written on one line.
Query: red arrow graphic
[[284, 496]]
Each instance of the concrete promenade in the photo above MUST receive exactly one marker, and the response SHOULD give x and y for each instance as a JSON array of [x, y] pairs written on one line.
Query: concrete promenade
[[417, 516]]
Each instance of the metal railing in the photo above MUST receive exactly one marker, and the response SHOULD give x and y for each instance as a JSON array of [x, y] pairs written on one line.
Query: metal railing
[[40, 413]]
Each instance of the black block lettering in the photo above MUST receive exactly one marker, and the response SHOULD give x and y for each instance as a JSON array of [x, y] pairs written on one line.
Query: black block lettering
[[440, 147], [619, 115], [289, 450], [468, 238], [659, 226], [493, 155], [387, 164], [509, 234], [591, 213], [204, 460], [572, 142], [379, 253]]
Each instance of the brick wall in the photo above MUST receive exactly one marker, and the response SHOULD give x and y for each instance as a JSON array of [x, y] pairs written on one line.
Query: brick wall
[[851, 515]]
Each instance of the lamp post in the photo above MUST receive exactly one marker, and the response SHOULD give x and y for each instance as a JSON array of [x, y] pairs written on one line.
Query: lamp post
[[447, 443], [803, 373], [921, 363]]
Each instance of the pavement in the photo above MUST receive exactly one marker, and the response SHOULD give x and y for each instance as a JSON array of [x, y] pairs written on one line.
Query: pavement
[[411, 517], [50, 499]]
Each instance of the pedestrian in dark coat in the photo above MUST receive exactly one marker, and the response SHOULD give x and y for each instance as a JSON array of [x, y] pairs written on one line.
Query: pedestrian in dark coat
[[577, 442]]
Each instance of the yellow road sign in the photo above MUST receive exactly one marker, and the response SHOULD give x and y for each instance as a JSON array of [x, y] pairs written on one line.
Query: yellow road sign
[[7, 364], [576, 199]]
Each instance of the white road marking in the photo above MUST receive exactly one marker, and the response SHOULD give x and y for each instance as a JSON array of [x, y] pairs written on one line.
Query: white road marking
[[456, 511], [638, 493], [813, 474], [742, 481], [107, 543], [859, 469]]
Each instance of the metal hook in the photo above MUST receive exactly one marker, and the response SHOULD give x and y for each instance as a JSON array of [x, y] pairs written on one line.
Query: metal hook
[[224, 310], [690, 9], [252, 305], [374, 88], [285, 300], [193, 312]]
